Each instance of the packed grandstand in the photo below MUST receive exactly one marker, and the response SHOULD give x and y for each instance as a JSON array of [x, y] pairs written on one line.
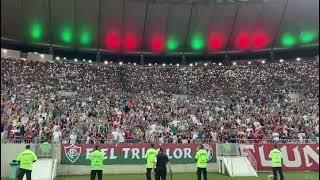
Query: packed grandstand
[[91, 103]]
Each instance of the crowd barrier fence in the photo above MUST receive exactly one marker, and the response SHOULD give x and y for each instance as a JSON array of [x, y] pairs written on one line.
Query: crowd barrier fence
[[183, 141]]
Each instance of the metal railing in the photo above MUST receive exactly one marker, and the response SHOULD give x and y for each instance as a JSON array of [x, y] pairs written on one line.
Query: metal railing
[[111, 141], [280, 141], [55, 159], [166, 141], [251, 159], [43, 150], [228, 149]]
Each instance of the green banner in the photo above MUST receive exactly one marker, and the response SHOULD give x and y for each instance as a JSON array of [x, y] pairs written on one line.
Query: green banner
[[77, 154]]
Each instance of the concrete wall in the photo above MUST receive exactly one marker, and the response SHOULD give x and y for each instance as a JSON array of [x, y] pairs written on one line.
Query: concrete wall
[[10, 53], [9, 152], [39, 57]]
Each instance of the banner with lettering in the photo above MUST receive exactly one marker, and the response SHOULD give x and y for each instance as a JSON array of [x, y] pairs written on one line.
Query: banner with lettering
[[296, 157], [77, 154]]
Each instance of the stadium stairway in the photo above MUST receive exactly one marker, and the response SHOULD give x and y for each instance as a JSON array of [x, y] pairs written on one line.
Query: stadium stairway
[[238, 166]]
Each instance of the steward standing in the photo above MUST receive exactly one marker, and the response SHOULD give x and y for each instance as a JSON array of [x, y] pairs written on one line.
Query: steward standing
[[202, 162], [151, 156], [96, 158], [26, 159], [276, 158]]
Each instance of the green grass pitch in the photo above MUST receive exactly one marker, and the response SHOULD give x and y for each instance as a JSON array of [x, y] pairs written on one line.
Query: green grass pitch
[[192, 176]]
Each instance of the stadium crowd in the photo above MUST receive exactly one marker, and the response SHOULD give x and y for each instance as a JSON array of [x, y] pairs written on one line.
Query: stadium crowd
[[98, 103]]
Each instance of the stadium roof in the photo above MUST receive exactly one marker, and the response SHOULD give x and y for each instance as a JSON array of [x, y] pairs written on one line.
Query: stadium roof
[[162, 26]]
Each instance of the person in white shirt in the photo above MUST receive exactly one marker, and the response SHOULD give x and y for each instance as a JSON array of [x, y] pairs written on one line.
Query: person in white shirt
[[87, 139], [161, 140], [174, 139], [214, 136], [115, 136], [301, 136], [257, 124], [13, 99], [275, 136], [73, 138], [121, 135], [194, 135], [24, 120], [56, 136]]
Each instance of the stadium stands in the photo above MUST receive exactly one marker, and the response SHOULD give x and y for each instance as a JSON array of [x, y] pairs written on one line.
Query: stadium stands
[[99, 103]]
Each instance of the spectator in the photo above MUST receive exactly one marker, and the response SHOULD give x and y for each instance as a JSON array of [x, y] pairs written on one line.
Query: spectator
[[301, 136], [115, 136], [57, 135], [167, 104], [73, 138]]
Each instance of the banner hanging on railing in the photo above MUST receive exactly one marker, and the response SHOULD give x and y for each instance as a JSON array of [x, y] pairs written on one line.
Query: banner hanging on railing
[[78, 154], [296, 157]]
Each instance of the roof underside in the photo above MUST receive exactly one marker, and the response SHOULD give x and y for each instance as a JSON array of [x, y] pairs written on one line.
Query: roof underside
[[162, 26]]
